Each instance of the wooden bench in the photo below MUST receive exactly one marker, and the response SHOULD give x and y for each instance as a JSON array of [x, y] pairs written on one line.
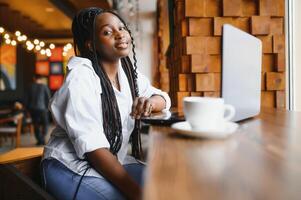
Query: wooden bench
[[20, 174]]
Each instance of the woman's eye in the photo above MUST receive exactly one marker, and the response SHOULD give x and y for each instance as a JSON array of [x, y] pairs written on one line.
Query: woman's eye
[[122, 28], [107, 32]]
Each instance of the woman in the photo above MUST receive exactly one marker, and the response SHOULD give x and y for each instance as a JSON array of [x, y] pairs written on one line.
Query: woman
[[97, 113]]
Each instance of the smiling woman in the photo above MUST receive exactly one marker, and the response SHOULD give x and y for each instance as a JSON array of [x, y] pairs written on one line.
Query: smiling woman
[[98, 111]]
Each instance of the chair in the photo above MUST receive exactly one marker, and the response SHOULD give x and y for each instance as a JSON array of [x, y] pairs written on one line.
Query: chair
[[14, 132], [27, 127]]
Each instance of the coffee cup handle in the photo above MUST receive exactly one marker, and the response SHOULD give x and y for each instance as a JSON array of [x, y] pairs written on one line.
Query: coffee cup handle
[[231, 112]]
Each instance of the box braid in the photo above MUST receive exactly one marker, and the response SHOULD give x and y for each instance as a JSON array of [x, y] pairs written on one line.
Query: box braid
[[84, 29]]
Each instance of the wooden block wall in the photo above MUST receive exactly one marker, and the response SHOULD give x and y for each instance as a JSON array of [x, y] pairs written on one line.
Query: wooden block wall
[[163, 42], [195, 59]]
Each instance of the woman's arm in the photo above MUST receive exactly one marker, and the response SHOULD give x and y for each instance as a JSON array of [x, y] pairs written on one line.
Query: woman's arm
[[107, 165]]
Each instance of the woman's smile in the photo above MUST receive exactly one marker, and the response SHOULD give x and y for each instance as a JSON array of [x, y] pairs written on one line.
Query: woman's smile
[[122, 45]]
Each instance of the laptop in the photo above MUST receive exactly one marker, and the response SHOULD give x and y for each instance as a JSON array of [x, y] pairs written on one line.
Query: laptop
[[241, 77], [241, 72]]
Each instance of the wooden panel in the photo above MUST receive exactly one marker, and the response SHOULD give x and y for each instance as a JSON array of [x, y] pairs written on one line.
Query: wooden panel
[[275, 81], [213, 8], [195, 45], [263, 81], [280, 99], [180, 97], [249, 8], [268, 64], [185, 64], [179, 11], [280, 62], [200, 26], [277, 26], [267, 43], [191, 82], [267, 7], [260, 25], [272, 7], [268, 99], [278, 43], [194, 8], [205, 63], [219, 22], [186, 82], [182, 82], [232, 8], [214, 45], [196, 94], [199, 63], [202, 45], [212, 94], [184, 28], [242, 23], [164, 81], [215, 63], [208, 82], [281, 8]]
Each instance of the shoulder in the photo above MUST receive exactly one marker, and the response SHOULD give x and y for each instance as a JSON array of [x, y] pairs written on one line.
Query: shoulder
[[80, 68], [81, 73], [79, 64]]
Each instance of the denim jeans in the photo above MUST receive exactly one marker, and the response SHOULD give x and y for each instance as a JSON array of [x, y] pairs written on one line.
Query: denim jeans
[[61, 182]]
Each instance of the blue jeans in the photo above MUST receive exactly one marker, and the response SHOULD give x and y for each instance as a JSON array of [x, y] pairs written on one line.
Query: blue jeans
[[61, 182]]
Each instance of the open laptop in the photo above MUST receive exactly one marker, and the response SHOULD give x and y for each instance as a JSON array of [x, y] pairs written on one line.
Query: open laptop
[[241, 77], [241, 72]]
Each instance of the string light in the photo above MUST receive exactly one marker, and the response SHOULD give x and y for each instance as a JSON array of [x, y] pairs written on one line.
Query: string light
[[17, 33], [36, 44], [43, 52], [2, 30], [24, 37], [69, 46], [42, 44], [51, 46], [19, 38], [36, 41], [38, 48], [6, 36], [7, 41], [13, 42]]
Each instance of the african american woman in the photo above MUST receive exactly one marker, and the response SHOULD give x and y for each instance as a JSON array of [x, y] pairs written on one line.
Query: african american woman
[[97, 113]]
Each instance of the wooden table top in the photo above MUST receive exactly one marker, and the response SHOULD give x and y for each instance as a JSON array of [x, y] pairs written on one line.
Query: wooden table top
[[19, 154], [262, 160]]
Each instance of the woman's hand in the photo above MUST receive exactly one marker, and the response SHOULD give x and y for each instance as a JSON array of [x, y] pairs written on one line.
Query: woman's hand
[[142, 106]]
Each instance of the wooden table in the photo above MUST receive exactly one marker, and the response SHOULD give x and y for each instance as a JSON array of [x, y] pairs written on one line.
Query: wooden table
[[262, 160], [21, 154]]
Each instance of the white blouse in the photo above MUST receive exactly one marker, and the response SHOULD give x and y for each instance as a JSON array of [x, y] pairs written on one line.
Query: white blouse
[[77, 111]]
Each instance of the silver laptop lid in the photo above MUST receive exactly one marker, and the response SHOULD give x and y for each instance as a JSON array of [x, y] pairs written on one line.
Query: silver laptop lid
[[241, 72]]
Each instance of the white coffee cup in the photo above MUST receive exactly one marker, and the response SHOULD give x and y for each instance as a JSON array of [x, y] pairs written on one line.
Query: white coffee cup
[[207, 113]]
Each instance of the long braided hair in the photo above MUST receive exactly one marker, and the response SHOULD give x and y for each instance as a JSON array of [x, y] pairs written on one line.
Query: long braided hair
[[84, 29]]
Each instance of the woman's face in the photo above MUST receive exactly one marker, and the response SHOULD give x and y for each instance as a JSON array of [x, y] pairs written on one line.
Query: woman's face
[[113, 40]]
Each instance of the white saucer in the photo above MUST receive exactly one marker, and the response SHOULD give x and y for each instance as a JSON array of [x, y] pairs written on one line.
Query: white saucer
[[185, 129]]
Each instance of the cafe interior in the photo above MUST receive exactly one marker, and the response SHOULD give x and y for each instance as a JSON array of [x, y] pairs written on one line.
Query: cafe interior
[[181, 48]]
